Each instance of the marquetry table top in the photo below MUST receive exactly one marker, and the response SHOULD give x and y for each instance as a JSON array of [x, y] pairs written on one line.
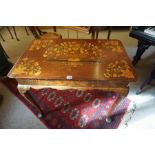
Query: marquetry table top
[[74, 59]]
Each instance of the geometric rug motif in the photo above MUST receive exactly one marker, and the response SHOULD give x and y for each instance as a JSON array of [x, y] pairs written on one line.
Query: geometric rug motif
[[72, 109]]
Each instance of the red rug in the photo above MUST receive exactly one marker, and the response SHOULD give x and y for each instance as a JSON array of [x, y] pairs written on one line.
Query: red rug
[[69, 109]]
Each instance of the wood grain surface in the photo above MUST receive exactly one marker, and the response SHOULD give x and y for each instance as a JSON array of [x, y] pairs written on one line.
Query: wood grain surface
[[74, 59]]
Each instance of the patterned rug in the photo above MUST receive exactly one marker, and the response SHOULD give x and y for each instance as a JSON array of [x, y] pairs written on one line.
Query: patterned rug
[[73, 109]]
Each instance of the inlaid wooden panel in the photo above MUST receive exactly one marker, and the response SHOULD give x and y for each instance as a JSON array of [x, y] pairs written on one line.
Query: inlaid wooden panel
[[73, 59]]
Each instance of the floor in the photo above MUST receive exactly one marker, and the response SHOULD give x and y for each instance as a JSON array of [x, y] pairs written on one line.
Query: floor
[[15, 115]]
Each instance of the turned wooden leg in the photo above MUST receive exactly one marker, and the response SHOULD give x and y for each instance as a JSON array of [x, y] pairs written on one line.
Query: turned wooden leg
[[97, 32], [142, 46], [26, 30], [109, 32], [2, 37], [14, 30], [39, 31], [54, 28], [9, 32], [93, 34], [33, 31]]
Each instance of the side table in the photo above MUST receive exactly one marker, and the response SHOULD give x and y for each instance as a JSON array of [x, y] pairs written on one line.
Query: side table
[[83, 64]]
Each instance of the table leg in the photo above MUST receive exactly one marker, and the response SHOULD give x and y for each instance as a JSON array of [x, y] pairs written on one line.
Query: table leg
[[2, 37], [93, 35], [9, 32], [26, 30], [109, 33], [39, 31], [33, 31], [97, 33], [14, 30], [54, 28]]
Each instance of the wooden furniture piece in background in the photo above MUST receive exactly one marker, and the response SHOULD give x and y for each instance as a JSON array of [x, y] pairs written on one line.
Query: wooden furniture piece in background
[[34, 31], [49, 28], [7, 27], [84, 29], [82, 64], [54, 27], [9, 32], [95, 30], [26, 30], [14, 31], [77, 29], [50, 36], [37, 32]]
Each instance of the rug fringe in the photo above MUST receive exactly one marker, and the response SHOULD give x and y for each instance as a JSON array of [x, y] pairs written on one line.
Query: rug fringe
[[128, 115]]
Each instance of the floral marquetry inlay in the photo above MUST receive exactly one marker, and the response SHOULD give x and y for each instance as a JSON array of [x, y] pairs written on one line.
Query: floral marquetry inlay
[[113, 46], [118, 69], [40, 44], [70, 50], [28, 67], [74, 59]]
